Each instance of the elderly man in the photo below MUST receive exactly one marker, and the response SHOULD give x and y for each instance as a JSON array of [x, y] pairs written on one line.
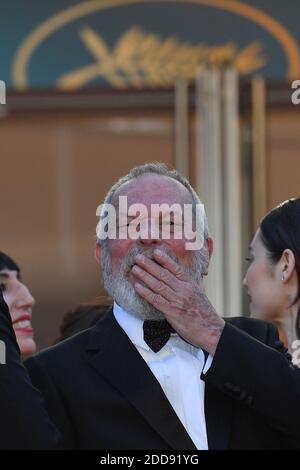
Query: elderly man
[[162, 370]]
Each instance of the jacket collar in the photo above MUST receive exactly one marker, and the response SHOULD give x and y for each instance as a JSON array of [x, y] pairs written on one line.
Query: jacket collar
[[116, 358]]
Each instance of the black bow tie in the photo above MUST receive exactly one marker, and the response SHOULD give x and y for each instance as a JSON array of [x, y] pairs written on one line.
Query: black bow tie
[[157, 333]]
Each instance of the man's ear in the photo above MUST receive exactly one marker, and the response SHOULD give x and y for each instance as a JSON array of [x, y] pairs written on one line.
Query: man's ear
[[98, 254], [210, 247]]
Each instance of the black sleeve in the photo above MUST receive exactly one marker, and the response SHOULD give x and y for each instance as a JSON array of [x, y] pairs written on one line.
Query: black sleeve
[[260, 375], [24, 421], [56, 408]]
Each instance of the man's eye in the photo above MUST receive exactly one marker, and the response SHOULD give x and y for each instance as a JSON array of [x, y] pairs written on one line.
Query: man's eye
[[249, 259], [2, 287]]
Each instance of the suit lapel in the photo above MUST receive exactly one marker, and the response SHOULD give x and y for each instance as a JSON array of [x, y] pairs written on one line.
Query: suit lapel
[[116, 358], [218, 416]]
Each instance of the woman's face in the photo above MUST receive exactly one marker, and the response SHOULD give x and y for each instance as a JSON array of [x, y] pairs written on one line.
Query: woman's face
[[20, 303], [264, 284]]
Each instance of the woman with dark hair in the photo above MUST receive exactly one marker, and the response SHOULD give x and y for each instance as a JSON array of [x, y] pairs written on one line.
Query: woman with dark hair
[[273, 277], [20, 302]]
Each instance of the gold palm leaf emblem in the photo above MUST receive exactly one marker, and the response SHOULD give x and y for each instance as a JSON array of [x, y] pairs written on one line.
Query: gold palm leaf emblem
[[139, 59]]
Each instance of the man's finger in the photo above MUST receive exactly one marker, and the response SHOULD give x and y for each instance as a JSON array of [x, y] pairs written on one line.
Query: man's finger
[[157, 286], [169, 264], [156, 270], [154, 299]]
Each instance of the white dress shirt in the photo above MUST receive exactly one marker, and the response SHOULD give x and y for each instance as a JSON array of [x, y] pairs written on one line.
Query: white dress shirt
[[177, 367]]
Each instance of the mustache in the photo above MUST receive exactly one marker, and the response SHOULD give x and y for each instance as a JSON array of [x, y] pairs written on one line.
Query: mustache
[[194, 270], [148, 252]]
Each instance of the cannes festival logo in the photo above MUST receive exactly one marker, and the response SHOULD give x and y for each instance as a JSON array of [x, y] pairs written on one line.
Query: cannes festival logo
[[2, 92], [134, 52]]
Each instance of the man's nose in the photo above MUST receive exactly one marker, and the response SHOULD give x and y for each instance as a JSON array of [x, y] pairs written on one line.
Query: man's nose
[[150, 233], [245, 280], [25, 299], [149, 241]]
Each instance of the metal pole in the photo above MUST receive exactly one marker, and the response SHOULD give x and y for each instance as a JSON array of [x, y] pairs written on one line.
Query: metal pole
[[181, 126], [259, 149], [232, 195], [209, 174]]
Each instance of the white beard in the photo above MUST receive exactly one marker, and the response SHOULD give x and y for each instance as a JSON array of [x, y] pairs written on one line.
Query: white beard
[[123, 292]]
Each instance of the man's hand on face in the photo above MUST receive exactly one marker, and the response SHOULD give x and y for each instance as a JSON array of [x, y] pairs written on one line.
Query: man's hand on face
[[182, 301]]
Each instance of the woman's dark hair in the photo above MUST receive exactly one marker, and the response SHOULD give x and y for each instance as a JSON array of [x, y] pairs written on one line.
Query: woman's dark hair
[[280, 230], [83, 316], [7, 263]]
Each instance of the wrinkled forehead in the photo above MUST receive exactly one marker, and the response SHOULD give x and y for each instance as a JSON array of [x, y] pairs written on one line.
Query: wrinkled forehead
[[153, 189]]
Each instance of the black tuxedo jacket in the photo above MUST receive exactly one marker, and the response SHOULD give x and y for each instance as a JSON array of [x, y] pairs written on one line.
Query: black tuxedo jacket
[[24, 421], [100, 394]]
